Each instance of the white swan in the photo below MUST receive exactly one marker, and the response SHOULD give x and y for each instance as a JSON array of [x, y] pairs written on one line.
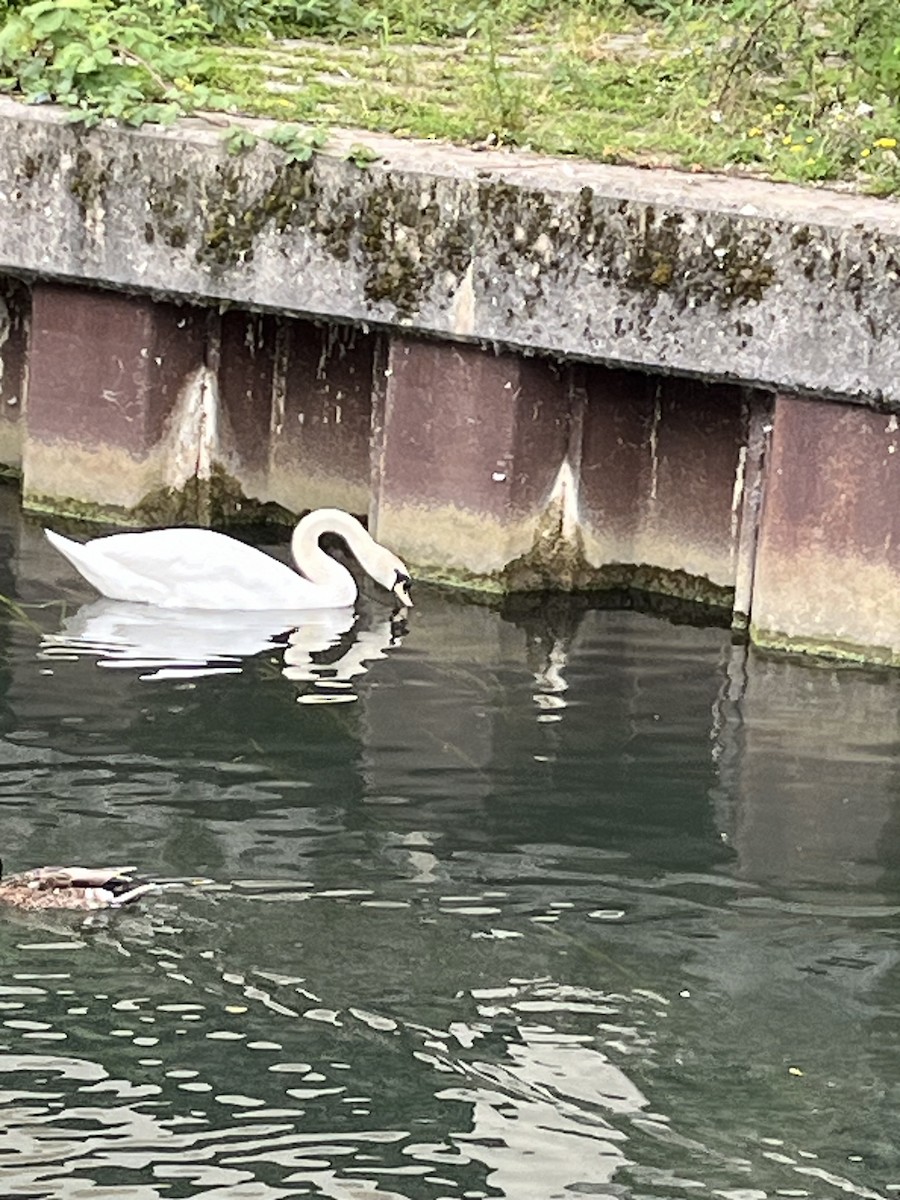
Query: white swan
[[198, 568]]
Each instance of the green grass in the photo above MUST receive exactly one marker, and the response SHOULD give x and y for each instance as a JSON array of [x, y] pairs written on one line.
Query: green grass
[[804, 90], [687, 86]]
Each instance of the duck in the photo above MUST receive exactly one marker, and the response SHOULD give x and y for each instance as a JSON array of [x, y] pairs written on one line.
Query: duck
[[192, 568], [72, 887]]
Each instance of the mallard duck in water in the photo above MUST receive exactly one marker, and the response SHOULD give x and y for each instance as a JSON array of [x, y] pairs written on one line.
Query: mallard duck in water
[[72, 887]]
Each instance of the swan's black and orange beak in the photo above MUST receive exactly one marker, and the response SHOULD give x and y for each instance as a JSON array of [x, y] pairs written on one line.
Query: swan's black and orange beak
[[401, 589]]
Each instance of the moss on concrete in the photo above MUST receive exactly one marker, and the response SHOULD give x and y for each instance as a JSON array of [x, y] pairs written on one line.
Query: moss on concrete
[[631, 577], [834, 650], [557, 564], [408, 236], [87, 180], [216, 501], [167, 207], [631, 585], [632, 244], [566, 607], [78, 510]]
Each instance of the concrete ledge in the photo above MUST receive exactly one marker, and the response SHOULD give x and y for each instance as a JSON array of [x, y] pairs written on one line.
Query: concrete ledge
[[729, 279]]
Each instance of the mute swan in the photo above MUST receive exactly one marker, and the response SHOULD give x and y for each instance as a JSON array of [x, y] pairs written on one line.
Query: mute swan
[[198, 568], [72, 887]]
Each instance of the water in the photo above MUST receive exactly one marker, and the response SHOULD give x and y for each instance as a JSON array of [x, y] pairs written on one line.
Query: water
[[575, 904]]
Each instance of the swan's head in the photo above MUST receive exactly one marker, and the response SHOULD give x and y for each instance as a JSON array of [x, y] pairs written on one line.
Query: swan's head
[[401, 588], [392, 574]]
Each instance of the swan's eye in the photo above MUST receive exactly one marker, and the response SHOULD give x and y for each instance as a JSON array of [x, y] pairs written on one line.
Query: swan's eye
[[401, 578]]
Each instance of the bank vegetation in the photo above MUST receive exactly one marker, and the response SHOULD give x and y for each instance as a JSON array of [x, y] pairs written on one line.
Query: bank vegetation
[[805, 90]]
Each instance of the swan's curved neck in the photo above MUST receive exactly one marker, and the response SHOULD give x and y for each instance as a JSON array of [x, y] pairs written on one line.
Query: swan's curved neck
[[320, 568]]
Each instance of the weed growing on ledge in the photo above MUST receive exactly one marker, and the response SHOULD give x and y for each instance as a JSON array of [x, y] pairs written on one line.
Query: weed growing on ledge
[[805, 90], [297, 144]]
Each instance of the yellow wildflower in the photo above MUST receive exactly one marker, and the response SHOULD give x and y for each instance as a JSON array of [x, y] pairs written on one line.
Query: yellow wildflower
[[754, 132], [885, 143], [865, 153], [779, 108], [809, 139], [798, 149], [787, 139]]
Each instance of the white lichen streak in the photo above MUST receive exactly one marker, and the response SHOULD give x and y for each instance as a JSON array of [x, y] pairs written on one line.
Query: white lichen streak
[[564, 495], [462, 306], [654, 441], [5, 330], [330, 344], [194, 430], [279, 385], [737, 498]]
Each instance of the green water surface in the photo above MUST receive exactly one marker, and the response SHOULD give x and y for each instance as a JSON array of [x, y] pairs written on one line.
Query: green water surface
[[576, 903]]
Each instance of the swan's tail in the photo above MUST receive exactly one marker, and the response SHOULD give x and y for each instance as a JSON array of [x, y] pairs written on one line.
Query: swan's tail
[[110, 579], [78, 555], [61, 544], [73, 551]]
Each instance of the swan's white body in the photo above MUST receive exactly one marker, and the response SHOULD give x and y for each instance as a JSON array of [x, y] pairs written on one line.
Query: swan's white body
[[198, 568]]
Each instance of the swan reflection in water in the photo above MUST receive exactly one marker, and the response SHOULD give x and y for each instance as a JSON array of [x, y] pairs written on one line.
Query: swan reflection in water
[[190, 643]]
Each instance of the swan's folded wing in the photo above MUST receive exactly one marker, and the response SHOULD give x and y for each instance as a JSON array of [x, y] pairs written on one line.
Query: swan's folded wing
[[179, 567], [108, 574], [181, 552]]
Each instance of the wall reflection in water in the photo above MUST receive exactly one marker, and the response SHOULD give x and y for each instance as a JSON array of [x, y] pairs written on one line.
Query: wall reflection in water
[[806, 758]]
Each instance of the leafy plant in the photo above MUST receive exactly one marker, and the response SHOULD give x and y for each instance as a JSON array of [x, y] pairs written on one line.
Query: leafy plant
[[239, 139], [298, 144], [136, 62], [362, 156]]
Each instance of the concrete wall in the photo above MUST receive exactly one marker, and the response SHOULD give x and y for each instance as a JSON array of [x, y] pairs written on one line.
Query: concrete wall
[[15, 310], [771, 285], [174, 347]]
